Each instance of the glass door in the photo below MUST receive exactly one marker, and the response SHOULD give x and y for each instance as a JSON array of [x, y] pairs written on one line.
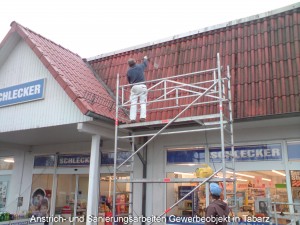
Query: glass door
[[71, 197], [65, 195], [82, 195]]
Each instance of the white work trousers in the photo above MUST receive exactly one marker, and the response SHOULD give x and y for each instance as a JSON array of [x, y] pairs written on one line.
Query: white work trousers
[[138, 91]]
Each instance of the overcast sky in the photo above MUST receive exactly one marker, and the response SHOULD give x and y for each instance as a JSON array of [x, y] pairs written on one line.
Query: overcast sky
[[93, 27]]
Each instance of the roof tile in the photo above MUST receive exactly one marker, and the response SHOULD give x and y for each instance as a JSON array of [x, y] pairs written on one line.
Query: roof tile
[[263, 55]]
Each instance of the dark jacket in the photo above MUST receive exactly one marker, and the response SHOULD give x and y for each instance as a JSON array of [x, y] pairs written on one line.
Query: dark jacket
[[135, 74], [216, 209]]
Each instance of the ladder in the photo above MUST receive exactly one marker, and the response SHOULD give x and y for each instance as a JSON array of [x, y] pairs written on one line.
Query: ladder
[[175, 90]]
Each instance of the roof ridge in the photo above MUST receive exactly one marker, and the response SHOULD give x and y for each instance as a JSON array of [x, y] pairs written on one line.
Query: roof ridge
[[201, 30], [14, 23]]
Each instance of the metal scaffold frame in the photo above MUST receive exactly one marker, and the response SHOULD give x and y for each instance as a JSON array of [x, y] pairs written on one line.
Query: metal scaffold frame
[[193, 90]]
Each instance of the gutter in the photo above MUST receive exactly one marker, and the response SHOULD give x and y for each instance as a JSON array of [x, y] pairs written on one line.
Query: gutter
[[267, 117], [97, 116]]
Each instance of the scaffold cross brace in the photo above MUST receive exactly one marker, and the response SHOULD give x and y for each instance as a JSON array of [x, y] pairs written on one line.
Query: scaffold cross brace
[[167, 210]]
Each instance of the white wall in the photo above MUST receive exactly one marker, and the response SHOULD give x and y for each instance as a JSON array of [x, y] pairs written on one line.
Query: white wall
[[22, 66]]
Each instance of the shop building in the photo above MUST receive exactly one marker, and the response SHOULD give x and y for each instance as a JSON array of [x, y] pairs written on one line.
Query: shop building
[[263, 55], [58, 110], [46, 120]]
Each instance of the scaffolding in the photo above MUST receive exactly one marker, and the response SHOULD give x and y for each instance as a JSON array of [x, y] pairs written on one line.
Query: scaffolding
[[276, 214], [185, 94]]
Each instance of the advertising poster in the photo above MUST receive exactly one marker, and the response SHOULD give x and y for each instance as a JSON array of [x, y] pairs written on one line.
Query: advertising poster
[[3, 193], [40, 203], [258, 181], [295, 178]]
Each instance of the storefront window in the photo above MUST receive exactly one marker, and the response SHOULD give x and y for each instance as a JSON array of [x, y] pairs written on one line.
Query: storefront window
[[6, 167], [294, 155], [193, 205], [252, 191], [106, 195], [295, 183], [71, 195], [6, 163], [41, 192]]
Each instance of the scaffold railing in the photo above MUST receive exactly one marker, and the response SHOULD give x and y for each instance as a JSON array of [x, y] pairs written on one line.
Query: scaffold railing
[[294, 218], [201, 98], [176, 92]]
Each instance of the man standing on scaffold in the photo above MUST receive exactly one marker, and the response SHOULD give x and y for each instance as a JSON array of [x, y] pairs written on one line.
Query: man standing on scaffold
[[135, 76]]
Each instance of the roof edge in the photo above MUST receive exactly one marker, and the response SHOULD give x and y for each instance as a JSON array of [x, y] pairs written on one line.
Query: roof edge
[[23, 33], [18, 27], [98, 116], [202, 30], [268, 117]]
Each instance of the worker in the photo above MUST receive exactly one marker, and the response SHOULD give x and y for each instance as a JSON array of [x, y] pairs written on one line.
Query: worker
[[217, 211], [136, 77]]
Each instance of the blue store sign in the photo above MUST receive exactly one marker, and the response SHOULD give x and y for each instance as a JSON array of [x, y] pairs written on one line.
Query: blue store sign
[[107, 158], [268, 152], [44, 161], [185, 156], [21, 93], [73, 160], [78, 160]]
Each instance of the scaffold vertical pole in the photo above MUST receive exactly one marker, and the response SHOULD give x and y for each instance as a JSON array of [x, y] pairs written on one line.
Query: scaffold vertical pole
[[231, 136], [131, 185], [221, 123], [116, 148]]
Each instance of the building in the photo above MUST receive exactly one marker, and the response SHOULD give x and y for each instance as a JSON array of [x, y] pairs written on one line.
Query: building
[[57, 111]]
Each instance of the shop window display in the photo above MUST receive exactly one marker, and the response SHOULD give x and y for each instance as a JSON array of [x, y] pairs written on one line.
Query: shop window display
[[295, 182], [6, 164], [106, 196], [252, 188], [296, 197], [4, 181]]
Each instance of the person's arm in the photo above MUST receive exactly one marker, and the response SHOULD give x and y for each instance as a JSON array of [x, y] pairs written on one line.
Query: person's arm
[[210, 212], [227, 210], [128, 78], [145, 62]]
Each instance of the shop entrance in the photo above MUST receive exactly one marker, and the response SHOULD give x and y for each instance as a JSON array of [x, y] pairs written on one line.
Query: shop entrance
[[63, 192], [71, 196]]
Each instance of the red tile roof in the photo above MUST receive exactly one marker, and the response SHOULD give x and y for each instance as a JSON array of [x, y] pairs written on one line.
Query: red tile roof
[[263, 55], [70, 71]]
